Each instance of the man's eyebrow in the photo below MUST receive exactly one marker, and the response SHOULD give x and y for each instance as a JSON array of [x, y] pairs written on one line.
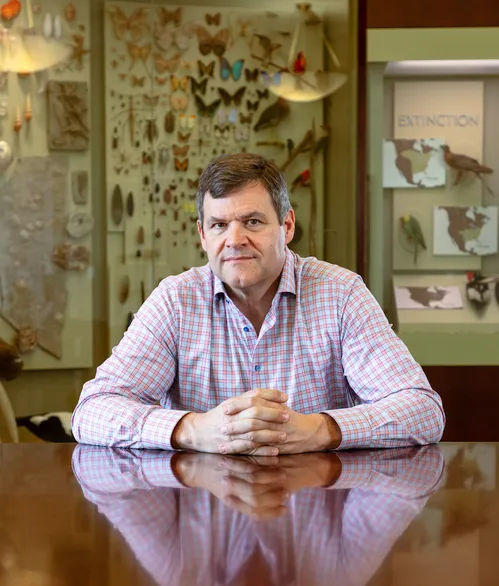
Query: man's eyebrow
[[247, 216]]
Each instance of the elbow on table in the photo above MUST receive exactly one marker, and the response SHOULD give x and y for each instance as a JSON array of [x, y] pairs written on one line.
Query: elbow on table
[[434, 424]]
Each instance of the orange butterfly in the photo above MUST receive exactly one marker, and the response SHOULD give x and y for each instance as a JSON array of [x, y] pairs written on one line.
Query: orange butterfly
[[161, 80], [183, 137], [181, 165], [180, 151], [163, 65], [138, 81], [179, 101], [136, 24], [166, 16], [150, 100], [179, 83], [136, 52]]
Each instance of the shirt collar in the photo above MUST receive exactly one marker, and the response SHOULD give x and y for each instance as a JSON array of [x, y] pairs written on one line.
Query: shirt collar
[[287, 284]]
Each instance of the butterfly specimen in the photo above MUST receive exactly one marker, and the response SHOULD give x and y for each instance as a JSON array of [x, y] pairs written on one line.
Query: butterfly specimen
[[179, 83], [138, 81], [216, 43], [243, 119], [213, 19], [78, 52], [10, 10], [174, 16], [136, 52], [262, 95], [252, 106], [187, 122], [199, 86], [241, 134], [179, 101], [236, 98], [208, 69], [183, 137], [206, 110], [161, 80], [222, 132], [135, 24], [161, 65], [265, 45], [167, 37], [150, 100], [274, 79], [122, 76], [192, 183], [181, 165], [180, 151], [251, 74], [227, 71]]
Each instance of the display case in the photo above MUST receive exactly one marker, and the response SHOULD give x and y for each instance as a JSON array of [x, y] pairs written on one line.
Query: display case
[[433, 203]]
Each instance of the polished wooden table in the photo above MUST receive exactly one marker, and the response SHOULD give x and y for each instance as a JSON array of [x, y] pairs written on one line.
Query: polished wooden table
[[81, 515]]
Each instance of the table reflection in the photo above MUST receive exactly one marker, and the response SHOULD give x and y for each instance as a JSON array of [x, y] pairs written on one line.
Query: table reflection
[[309, 519]]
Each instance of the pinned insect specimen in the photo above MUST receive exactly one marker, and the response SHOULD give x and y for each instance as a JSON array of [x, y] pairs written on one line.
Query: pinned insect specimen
[[151, 130]]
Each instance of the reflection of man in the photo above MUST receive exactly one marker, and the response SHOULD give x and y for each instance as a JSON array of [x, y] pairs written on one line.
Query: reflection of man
[[269, 521], [260, 351]]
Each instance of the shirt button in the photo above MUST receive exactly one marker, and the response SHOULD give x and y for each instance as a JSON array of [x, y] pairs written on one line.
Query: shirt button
[[246, 329], [257, 367]]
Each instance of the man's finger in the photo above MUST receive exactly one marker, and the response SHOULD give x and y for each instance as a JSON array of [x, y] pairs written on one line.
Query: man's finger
[[268, 394], [268, 414], [238, 404], [247, 425], [262, 436]]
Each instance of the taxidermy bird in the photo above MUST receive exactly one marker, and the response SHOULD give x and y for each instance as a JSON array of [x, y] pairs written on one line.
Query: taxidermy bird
[[301, 180], [478, 288], [465, 164], [272, 115], [412, 231]]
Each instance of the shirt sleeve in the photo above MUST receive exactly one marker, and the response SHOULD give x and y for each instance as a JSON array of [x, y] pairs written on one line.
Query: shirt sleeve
[[119, 407], [394, 404]]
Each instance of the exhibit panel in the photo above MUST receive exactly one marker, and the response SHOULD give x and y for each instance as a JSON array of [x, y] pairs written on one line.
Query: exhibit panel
[[433, 185]]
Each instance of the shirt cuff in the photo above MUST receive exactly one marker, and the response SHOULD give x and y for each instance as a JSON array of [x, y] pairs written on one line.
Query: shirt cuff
[[158, 428], [354, 426]]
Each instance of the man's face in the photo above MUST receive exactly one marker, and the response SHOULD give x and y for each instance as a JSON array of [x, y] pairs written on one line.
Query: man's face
[[243, 239]]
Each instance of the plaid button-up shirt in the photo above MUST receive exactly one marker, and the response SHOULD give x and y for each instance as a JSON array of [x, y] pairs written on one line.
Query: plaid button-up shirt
[[325, 342]]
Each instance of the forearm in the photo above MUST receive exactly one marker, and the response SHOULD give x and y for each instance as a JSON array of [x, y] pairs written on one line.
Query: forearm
[[404, 418], [108, 419]]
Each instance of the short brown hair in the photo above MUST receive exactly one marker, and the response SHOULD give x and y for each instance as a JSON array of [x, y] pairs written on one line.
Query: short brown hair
[[230, 173]]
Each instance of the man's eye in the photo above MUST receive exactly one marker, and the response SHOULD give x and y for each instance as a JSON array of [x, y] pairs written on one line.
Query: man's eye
[[218, 225], [254, 222]]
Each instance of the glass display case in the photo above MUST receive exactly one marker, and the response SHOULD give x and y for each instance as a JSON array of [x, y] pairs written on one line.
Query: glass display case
[[434, 196]]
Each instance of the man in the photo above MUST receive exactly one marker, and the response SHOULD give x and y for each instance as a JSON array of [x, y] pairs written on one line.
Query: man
[[259, 352]]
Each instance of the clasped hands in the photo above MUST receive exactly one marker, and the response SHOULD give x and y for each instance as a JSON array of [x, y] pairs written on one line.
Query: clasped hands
[[256, 423]]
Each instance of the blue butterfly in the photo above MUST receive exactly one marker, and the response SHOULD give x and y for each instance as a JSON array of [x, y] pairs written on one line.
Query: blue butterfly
[[269, 80], [235, 71]]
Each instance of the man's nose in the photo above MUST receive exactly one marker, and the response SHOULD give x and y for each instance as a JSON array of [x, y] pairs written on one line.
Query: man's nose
[[236, 234]]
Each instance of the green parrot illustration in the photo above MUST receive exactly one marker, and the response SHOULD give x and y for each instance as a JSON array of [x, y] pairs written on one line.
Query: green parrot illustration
[[412, 231]]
